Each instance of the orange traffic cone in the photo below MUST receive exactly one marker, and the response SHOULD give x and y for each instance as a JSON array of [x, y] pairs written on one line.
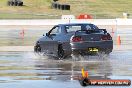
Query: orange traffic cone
[[118, 40], [112, 32], [22, 33], [84, 73]]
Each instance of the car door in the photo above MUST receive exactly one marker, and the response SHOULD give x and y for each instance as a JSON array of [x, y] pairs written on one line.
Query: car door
[[69, 32], [50, 43]]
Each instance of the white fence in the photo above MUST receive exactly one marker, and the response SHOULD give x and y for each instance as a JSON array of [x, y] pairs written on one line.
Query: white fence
[[58, 21]]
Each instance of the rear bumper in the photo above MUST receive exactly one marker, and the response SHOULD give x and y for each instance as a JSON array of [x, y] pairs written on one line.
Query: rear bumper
[[82, 47]]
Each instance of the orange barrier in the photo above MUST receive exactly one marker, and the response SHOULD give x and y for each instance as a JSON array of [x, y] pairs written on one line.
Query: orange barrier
[[85, 16]]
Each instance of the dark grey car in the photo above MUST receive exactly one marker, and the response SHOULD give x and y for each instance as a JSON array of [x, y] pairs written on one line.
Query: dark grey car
[[76, 38]]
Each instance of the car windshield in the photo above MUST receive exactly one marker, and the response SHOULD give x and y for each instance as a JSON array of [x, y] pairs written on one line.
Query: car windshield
[[90, 27], [73, 28]]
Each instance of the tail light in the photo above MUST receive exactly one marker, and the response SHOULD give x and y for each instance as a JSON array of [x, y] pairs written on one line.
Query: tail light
[[106, 37], [76, 39]]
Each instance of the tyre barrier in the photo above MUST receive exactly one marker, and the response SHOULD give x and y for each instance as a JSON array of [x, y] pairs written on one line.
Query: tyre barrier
[[14, 3], [55, 0], [60, 6]]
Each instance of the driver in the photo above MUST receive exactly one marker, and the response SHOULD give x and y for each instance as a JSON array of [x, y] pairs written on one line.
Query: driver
[[88, 27]]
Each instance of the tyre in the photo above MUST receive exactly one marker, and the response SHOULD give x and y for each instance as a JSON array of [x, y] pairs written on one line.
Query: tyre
[[59, 6], [55, 0], [8, 3], [67, 7], [20, 4], [106, 51], [56, 5], [15, 3], [61, 53], [11, 3], [62, 7], [37, 49]]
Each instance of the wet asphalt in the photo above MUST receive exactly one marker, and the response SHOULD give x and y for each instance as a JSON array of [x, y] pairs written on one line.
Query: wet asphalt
[[25, 69], [28, 70]]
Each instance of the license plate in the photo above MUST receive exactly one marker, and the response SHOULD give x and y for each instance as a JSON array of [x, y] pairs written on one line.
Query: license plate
[[93, 49]]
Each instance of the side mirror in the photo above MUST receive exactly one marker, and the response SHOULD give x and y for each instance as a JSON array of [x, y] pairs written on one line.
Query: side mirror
[[47, 34]]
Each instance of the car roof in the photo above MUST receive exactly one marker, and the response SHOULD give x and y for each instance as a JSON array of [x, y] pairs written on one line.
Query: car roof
[[73, 24]]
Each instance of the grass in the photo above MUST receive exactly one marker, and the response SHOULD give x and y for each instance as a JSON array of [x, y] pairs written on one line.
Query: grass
[[41, 9]]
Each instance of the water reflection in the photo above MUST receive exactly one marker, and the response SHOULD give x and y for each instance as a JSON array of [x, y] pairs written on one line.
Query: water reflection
[[17, 66], [26, 66]]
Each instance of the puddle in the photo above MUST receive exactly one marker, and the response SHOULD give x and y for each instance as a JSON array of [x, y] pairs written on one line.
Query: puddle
[[25, 69]]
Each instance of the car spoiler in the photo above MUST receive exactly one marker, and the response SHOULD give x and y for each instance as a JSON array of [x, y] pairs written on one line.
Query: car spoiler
[[91, 31]]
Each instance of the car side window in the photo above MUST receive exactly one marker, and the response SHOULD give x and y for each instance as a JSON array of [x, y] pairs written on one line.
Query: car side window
[[91, 27], [72, 28], [55, 30], [95, 27]]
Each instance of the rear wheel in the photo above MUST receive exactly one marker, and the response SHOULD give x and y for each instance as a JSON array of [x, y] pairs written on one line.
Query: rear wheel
[[106, 51], [61, 53]]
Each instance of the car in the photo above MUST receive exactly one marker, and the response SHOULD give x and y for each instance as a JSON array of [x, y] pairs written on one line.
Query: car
[[74, 38], [15, 3]]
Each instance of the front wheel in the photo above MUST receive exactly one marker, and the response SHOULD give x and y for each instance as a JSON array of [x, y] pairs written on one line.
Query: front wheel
[[37, 49]]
